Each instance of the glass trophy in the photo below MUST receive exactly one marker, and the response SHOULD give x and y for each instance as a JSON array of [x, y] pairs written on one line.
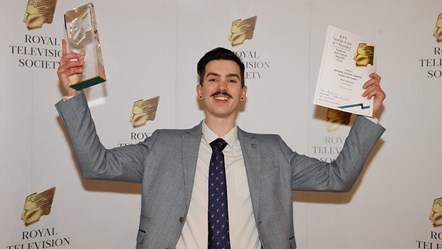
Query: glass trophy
[[82, 38]]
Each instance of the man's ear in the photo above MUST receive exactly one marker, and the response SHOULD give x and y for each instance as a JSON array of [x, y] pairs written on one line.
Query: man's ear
[[199, 91], [244, 93]]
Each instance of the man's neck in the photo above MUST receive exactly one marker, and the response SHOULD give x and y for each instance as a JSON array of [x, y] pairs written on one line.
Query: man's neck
[[220, 126]]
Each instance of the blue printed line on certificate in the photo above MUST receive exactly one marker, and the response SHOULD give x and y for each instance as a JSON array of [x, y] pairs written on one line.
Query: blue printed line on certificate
[[354, 105]]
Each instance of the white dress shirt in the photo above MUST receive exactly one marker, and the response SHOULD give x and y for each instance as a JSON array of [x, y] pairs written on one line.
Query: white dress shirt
[[242, 225]]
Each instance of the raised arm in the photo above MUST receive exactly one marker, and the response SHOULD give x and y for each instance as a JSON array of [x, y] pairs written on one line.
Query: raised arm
[[97, 162]]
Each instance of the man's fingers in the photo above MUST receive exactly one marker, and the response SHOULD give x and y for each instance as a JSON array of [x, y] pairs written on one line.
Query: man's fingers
[[373, 91], [69, 61], [70, 71], [64, 47], [69, 64], [375, 76], [372, 86], [70, 68], [70, 57], [374, 80], [65, 68]]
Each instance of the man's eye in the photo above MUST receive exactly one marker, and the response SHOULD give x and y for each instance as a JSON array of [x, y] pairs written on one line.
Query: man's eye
[[233, 81], [212, 80]]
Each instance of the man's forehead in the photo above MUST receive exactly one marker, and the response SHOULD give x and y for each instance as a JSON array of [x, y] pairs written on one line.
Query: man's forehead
[[219, 75], [226, 67]]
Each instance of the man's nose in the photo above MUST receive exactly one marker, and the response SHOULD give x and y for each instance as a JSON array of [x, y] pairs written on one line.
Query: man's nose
[[222, 84]]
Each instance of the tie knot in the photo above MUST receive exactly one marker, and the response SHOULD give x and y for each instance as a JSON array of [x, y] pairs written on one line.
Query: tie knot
[[218, 145]]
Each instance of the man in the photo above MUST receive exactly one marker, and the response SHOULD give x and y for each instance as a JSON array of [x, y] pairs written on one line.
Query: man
[[173, 165]]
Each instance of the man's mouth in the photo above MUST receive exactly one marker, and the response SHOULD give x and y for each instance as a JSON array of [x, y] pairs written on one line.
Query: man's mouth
[[221, 95]]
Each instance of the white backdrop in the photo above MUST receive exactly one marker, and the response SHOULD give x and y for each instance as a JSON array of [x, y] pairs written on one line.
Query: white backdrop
[[151, 48]]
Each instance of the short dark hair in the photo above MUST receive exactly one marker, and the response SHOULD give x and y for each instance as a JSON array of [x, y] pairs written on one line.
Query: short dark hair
[[219, 54]]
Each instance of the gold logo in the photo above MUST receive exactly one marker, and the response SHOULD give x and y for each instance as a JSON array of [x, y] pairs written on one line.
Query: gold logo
[[438, 29], [242, 30], [39, 12], [364, 55], [336, 118], [436, 213], [37, 205], [143, 111]]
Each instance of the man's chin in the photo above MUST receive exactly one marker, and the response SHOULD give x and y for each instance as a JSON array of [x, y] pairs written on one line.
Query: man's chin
[[221, 114]]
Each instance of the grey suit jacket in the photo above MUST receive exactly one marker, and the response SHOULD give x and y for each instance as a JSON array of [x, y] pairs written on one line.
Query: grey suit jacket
[[165, 164]]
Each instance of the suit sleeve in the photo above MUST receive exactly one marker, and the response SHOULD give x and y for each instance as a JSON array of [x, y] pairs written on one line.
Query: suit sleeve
[[310, 174], [95, 161]]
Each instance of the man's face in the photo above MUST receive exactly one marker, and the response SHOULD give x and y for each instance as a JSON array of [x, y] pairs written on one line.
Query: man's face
[[221, 90]]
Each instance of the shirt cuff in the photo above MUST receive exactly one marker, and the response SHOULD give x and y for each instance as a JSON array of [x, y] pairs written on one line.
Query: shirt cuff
[[374, 120], [68, 97]]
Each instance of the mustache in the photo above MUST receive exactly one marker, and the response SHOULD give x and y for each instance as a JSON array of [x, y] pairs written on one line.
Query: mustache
[[225, 93]]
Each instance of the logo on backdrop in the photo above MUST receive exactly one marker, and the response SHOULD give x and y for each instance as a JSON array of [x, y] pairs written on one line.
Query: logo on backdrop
[[143, 111], [37, 51], [432, 65], [438, 29], [39, 12], [37, 205], [434, 240], [240, 31], [436, 213], [40, 238], [328, 145], [335, 118]]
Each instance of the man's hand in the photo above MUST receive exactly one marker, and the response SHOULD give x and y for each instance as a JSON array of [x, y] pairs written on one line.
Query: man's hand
[[70, 70], [373, 89]]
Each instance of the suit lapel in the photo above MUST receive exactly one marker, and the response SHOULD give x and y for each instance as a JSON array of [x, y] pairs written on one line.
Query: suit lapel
[[190, 148], [252, 158]]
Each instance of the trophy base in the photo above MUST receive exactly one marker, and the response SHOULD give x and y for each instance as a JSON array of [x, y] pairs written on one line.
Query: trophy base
[[88, 83]]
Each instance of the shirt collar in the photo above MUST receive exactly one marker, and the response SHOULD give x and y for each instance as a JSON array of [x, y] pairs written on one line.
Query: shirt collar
[[231, 137]]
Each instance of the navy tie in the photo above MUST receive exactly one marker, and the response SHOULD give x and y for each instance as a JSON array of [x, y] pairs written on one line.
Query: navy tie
[[218, 213]]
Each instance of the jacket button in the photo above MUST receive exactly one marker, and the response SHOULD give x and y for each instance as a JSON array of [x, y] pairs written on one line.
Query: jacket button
[[181, 219]]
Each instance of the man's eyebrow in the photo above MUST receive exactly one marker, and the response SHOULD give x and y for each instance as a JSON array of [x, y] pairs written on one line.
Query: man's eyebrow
[[218, 75], [233, 75], [212, 74]]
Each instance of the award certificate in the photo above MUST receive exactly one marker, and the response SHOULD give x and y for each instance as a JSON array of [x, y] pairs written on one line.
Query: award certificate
[[347, 61]]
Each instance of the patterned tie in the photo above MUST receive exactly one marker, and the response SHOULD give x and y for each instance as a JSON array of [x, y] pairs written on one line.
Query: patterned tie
[[218, 213]]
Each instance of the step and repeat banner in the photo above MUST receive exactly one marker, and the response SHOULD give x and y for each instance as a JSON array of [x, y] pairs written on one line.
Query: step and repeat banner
[[150, 50]]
